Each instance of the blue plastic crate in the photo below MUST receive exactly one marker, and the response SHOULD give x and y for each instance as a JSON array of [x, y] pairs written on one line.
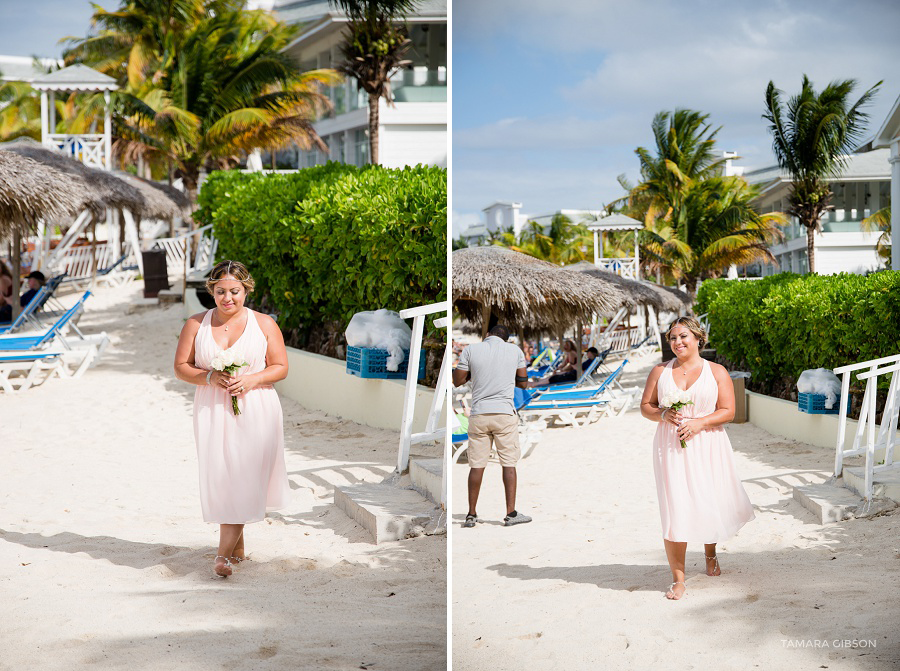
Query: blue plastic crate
[[371, 362], [814, 404]]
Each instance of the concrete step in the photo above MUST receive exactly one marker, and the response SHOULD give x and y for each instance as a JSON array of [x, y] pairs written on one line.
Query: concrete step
[[427, 476], [884, 485], [387, 512], [828, 502]]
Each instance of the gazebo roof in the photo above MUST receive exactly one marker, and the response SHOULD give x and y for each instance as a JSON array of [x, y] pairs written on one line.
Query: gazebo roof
[[615, 222], [76, 77]]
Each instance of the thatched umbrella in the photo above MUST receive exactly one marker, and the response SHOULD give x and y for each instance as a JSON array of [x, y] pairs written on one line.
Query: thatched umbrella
[[158, 204], [111, 191], [30, 191], [639, 292], [526, 293]]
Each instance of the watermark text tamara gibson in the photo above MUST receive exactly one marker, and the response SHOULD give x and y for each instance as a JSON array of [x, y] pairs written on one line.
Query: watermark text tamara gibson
[[825, 643]]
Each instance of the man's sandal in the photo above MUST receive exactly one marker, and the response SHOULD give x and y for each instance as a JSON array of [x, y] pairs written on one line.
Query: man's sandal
[[470, 521]]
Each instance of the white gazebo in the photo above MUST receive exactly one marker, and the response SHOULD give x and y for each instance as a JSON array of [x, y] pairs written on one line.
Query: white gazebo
[[629, 266], [92, 149], [889, 136]]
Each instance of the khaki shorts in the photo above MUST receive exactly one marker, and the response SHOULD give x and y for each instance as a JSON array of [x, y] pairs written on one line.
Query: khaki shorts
[[494, 428]]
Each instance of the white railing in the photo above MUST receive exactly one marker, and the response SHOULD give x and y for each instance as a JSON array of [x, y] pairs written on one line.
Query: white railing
[[865, 441], [78, 262], [625, 267], [89, 148], [432, 431], [196, 246]]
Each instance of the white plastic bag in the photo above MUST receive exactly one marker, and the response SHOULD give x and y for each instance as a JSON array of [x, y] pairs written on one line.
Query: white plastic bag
[[383, 329], [820, 381]]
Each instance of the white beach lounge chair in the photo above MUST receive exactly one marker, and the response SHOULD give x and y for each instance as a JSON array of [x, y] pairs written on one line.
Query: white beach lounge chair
[[22, 370]]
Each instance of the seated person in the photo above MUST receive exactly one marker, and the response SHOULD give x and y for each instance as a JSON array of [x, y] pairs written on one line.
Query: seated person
[[36, 280], [565, 372], [592, 353]]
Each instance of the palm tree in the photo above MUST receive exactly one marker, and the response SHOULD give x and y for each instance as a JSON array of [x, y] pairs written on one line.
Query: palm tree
[[563, 243], [228, 90], [811, 136], [685, 152], [20, 111], [374, 50], [880, 221], [713, 226], [135, 42]]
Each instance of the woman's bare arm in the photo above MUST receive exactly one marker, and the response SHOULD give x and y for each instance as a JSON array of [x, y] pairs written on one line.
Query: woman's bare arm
[[185, 369]]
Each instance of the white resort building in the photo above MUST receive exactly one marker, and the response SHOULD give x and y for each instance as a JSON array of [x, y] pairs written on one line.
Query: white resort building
[[415, 129], [842, 245]]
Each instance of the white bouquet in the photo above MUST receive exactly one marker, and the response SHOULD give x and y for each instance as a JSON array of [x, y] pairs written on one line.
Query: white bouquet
[[227, 362], [676, 400]]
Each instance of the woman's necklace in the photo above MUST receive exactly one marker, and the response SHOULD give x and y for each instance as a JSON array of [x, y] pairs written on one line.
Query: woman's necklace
[[684, 371], [224, 323]]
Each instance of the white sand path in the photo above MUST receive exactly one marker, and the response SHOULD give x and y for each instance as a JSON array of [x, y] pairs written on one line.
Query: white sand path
[[106, 563], [581, 587]]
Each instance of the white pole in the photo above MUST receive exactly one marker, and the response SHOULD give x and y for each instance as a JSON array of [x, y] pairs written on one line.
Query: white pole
[[44, 119], [637, 256], [596, 251], [52, 111], [409, 393], [842, 425], [895, 205], [107, 149]]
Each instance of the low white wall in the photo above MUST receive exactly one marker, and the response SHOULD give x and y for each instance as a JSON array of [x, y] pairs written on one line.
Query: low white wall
[[782, 418], [321, 383]]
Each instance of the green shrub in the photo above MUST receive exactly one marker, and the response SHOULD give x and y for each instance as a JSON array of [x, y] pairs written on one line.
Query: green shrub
[[332, 240], [784, 324]]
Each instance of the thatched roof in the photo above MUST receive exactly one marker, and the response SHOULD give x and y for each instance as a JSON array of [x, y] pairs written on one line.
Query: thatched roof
[[524, 292], [106, 189], [673, 300], [158, 203], [30, 191], [638, 292]]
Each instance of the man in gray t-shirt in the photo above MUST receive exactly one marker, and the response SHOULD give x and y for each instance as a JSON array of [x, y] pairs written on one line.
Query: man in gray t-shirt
[[496, 368]]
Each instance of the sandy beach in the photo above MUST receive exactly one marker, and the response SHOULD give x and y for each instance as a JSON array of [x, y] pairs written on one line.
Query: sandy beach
[[582, 587], [106, 563]]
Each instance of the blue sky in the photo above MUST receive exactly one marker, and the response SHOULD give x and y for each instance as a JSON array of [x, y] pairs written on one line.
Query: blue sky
[[550, 99], [34, 28]]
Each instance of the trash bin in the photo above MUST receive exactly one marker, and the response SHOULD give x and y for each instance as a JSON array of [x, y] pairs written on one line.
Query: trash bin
[[156, 273], [740, 396]]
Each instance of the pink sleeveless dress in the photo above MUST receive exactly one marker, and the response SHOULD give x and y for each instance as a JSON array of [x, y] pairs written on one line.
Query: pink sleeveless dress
[[701, 499], [242, 469]]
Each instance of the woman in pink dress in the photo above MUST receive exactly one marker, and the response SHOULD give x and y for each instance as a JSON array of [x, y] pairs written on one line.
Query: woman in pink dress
[[701, 499], [241, 457]]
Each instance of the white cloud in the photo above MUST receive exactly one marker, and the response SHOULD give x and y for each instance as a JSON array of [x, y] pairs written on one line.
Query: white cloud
[[638, 58]]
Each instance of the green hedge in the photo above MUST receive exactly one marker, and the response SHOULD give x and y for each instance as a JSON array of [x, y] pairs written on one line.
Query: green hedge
[[332, 240], [784, 324]]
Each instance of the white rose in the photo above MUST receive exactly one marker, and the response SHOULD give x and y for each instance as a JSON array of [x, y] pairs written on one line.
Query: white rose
[[228, 357], [217, 363]]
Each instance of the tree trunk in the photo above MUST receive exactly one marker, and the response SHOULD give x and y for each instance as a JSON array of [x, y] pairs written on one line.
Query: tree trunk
[[485, 320], [373, 128], [811, 247]]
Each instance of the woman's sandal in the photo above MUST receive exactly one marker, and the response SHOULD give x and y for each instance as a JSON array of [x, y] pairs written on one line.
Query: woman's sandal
[[671, 589], [715, 567], [226, 568]]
